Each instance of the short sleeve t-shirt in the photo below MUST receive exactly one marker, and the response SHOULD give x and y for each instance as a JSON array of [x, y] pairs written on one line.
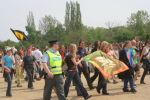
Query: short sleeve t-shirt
[[69, 62], [130, 56], [8, 61], [28, 60], [81, 52]]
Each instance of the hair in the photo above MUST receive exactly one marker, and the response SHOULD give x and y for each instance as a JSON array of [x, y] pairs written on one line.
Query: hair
[[148, 41], [80, 42], [125, 44], [51, 44], [97, 44], [103, 45], [73, 50]]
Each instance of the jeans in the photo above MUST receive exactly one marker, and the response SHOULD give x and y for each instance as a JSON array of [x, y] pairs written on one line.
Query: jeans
[[128, 80], [9, 77], [73, 75], [96, 73], [86, 73], [146, 70], [30, 70], [102, 84], [58, 84]]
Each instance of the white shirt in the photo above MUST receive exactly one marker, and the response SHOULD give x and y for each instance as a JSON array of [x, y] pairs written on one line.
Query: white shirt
[[37, 54]]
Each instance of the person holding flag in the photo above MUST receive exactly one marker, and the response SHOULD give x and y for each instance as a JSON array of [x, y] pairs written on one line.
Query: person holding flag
[[102, 82]]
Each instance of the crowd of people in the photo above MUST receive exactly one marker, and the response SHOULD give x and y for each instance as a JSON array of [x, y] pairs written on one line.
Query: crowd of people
[[61, 65]]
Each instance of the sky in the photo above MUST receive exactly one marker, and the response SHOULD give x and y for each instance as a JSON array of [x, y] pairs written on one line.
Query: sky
[[96, 13]]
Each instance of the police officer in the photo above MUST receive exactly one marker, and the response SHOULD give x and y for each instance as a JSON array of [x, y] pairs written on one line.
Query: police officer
[[52, 63]]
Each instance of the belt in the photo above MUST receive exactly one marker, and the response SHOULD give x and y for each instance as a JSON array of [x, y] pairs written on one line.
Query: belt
[[58, 75]]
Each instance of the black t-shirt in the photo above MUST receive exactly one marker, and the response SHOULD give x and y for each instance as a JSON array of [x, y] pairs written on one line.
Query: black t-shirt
[[69, 62], [28, 60], [81, 52]]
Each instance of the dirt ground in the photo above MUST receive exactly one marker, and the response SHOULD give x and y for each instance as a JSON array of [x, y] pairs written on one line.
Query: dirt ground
[[115, 90]]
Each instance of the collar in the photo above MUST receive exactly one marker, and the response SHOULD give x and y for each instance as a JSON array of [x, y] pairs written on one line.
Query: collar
[[52, 50]]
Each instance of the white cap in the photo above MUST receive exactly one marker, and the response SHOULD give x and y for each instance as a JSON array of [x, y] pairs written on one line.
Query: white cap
[[8, 48]]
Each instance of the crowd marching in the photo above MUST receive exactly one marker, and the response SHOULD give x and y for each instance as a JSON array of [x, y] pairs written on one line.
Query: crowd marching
[[61, 65]]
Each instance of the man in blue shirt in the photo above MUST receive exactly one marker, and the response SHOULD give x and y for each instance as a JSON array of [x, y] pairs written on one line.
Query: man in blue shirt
[[7, 63]]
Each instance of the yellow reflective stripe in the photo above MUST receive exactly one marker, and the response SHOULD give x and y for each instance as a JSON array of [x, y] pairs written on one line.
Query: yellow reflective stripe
[[55, 63]]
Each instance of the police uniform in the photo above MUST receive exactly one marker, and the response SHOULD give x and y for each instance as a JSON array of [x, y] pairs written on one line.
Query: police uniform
[[54, 61]]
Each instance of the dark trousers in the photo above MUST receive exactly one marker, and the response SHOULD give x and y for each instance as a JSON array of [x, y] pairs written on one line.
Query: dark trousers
[[30, 70], [42, 73], [73, 75], [86, 73], [38, 69], [102, 84], [130, 81], [146, 70], [57, 83], [96, 73], [9, 77]]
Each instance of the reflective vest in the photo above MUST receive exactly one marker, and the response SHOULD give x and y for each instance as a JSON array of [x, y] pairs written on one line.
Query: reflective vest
[[55, 62]]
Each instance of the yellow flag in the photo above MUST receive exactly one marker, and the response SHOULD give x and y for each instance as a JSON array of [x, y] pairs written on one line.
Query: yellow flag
[[19, 35]]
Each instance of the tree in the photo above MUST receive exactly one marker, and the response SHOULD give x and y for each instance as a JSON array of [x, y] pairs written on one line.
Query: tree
[[30, 22], [47, 23], [73, 20], [78, 20], [137, 22], [67, 17]]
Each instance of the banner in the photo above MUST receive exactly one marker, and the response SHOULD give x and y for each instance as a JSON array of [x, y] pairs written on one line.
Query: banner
[[107, 65], [19, 35]]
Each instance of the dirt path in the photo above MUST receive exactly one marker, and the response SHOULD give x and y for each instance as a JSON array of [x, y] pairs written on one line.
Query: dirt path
[[115, 91]]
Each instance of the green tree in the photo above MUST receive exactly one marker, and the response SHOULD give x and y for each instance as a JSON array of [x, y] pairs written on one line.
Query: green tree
[[47, 23], [73, 20], [30, 22], [137, 22]]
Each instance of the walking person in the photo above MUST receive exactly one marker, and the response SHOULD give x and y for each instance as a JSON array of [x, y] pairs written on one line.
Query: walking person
[[72, 73], [102, 82], [38, 57], [135, 59], [52, 63], [81, 52], [145, 58], [96, 71], [18, 68], [7, 62], [125, 55], [28, 63]]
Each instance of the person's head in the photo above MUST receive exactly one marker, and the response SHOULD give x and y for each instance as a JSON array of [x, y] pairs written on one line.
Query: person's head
[[17, 53], [127, 44], [29, 51], [81, 43], [62, 47], [147, 43], [30, 47], [73, 49], [133, 43], [104, 46], [9, 51], [97, 44], [54, 44]]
